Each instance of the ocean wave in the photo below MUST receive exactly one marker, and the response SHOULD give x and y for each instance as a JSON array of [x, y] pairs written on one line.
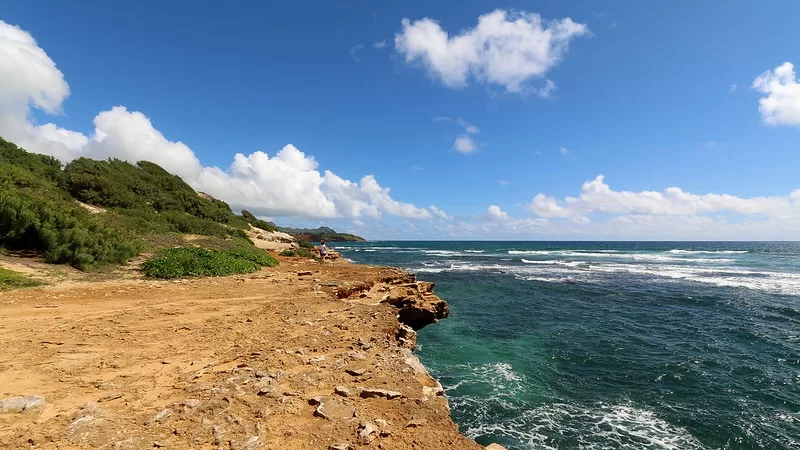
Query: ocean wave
[[619, 255], [556, 262], [441, 252], [723, 252], [775, 282], [475, 251], [563, 425], [565, 271]]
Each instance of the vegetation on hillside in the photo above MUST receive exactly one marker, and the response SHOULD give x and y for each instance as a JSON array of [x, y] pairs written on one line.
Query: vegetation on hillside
[[36, 213], [144, 208], [15, 280]]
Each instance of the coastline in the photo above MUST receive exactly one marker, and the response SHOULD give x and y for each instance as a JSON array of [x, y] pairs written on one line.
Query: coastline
[[298, 356]]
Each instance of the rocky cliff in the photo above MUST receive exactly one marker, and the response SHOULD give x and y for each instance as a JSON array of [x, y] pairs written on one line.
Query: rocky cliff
[[302, 356]]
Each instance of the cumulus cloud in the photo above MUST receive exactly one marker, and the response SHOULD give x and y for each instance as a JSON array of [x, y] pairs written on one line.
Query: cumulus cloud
[[505, 48], [597, 197], [496, 213], [465, 142], [379, 44], [781, 106], [288, 183]]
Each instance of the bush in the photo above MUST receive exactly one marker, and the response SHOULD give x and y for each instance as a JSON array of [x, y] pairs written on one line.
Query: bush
[[305, 244], [195, 262], [62, 233], [298, 252]]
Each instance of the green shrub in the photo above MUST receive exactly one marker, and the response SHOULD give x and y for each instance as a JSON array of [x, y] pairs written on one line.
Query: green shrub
[[15, 280], [195, 262], [305, 244], [253, 254], [64, 234], [298, 252]]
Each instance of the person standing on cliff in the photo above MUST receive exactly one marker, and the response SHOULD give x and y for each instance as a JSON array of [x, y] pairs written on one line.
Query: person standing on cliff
[[323, 250]]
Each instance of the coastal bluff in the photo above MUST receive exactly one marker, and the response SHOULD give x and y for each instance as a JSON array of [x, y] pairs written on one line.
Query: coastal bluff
[[299, 356]]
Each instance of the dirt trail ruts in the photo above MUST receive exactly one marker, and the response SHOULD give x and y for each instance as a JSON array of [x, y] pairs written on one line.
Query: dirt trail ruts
[[267, 360]]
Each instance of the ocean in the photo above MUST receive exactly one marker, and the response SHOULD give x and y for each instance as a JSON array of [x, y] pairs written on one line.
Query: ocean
[[684, 345]]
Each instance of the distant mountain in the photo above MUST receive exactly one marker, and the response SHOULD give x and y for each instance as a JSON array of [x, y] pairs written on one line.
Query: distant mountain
[[315, 234]]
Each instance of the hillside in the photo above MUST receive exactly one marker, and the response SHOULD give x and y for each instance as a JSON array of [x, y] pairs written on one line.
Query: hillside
[[315, 234], [93, 213]]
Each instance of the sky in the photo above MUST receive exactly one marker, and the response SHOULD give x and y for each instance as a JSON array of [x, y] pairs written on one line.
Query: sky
[[535, 120]]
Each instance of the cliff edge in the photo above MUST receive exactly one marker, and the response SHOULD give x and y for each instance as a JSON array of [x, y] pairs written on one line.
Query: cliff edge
[[301, 356]]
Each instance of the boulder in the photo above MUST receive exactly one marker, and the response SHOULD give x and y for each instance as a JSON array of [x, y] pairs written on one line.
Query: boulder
[[16, 405]]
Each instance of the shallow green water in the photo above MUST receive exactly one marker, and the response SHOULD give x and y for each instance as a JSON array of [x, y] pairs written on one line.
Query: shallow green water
[[613, 345]]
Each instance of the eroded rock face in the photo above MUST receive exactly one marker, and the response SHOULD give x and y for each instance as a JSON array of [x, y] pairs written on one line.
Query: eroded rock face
[[418, 305]]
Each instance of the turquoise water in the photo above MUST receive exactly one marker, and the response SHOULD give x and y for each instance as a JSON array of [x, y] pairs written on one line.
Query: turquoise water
[[613, 345]]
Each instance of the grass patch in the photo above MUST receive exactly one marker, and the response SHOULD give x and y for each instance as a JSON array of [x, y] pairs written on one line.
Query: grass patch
[[15, 280], [196, 262]]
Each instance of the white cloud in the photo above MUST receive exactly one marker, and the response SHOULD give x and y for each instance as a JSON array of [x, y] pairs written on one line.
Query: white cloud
[[505, 48], [379, 44], [502, 182], [566, 153], [547, 90], [733, 88], [598, 197], [465, 144], [439, 213], [495, 212], [286, 184], [355, 50], [468, 127], [781, 106]]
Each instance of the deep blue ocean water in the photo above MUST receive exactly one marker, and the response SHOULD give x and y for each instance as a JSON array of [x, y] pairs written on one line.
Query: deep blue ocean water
[[613, 344]]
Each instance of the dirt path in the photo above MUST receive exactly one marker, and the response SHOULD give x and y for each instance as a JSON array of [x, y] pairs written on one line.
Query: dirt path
[[267, 360]]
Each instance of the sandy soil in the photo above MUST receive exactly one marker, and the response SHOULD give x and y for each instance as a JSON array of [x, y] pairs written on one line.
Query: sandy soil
[[271, 360]]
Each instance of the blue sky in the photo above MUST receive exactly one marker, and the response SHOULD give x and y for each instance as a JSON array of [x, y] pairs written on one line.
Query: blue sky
[[650, 95]]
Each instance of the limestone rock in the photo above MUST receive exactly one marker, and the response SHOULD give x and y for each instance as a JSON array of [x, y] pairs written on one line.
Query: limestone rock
[[253, 443], [375, 393], [418, 305], [367, 433], [334, 409], [159, 416], [28, 403], [343, 391], [495, 447], [355, 372]]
